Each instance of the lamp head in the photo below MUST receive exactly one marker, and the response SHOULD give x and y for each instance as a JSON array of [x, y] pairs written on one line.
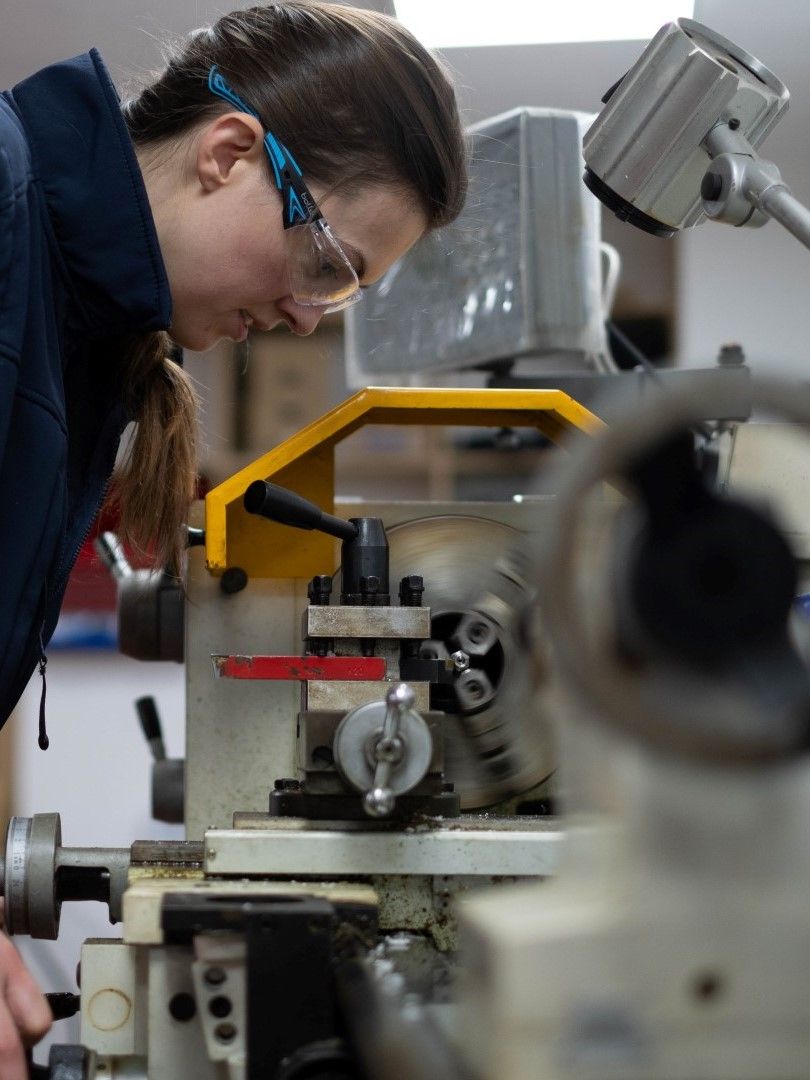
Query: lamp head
[[644, 154]]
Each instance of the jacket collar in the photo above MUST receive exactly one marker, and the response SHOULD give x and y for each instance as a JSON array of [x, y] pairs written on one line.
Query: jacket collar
[[102, 224]]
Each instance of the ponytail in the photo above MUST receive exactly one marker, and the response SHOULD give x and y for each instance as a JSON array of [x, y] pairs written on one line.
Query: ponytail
[[156, 480]]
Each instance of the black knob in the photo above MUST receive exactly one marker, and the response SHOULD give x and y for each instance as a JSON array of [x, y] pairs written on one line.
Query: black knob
[[711, 187], [233, 580], [63, 1006]]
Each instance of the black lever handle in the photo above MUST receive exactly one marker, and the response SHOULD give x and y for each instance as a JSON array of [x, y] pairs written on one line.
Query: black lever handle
[[150, 723], [278, 504]]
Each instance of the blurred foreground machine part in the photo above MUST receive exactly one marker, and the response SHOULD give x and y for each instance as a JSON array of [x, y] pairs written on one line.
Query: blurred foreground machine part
[[672, 943]]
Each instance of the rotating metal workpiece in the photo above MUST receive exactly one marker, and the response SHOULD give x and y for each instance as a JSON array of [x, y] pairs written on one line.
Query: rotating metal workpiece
[[477, 591]]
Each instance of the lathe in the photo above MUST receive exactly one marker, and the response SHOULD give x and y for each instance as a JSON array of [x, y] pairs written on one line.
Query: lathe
[[360, 753]]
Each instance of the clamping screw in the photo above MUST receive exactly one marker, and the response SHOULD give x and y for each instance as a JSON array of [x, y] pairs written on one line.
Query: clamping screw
[[411, 588], [319, 590]]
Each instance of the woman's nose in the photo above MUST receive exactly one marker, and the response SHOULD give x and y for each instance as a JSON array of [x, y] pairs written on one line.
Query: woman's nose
[[300, 319]]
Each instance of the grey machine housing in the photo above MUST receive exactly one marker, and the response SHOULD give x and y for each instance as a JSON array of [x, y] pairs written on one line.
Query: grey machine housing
[[518, 274], [646, 154]]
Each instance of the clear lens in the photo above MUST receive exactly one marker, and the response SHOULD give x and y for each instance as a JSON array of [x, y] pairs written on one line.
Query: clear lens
[[320, 275]]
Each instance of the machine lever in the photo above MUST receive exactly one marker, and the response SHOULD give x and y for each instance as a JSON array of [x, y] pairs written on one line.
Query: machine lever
[[388, 751], [150, 724], [111, 552], [278, 504]]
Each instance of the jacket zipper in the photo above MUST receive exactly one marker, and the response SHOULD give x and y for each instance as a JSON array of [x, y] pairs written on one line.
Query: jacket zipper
[[43, 740]]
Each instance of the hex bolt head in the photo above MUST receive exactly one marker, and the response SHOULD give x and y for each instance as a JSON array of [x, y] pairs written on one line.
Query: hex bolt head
[[461, 660], [319, 590], [731, 354], [411, 588]]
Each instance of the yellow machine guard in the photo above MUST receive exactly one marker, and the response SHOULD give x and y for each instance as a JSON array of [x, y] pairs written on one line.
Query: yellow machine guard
[[305, 463]]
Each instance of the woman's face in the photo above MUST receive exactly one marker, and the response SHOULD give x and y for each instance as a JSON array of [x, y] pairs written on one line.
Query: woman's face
[[222, 238]]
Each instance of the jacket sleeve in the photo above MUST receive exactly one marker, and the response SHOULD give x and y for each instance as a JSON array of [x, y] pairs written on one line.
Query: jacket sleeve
[[14, 258]]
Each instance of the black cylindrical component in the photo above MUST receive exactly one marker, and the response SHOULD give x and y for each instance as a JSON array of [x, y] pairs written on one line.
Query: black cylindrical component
[[363, 558], [168, 790], [411, 588], [278, 504], [319, 590]]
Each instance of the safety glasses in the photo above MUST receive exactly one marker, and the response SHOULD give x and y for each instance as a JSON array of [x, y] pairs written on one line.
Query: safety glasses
[[319, 272]]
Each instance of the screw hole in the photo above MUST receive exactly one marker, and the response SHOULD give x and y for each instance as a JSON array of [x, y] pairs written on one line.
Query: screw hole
[[225, 1032], [707, 986], [220, 1007], [322, 755], [182, 1007]]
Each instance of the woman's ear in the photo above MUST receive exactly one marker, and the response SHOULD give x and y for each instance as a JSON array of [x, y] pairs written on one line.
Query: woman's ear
[[230, 138]]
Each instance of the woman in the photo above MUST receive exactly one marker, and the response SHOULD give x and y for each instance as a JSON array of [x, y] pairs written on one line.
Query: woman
[[200, 209]]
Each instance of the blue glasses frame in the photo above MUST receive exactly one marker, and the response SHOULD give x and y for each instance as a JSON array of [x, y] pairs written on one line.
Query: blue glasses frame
[[300, 207]]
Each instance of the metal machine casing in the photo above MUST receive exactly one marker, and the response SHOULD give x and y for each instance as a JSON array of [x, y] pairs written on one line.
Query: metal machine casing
[[517, 275]]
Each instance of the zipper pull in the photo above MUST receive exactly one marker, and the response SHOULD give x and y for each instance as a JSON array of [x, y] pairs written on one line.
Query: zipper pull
[[43, 740]]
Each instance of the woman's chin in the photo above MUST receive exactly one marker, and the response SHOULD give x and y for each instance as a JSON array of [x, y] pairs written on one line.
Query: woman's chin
[[196, 340]]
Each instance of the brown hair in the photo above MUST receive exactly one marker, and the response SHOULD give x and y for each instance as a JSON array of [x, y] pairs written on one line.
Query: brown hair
[[356, 98]]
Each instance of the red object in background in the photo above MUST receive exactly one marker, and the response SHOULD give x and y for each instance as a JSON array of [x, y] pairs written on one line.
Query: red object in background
[[90, 586]]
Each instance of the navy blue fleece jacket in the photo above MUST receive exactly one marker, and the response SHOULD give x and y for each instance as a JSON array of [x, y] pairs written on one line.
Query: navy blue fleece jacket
[[80, 270]]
